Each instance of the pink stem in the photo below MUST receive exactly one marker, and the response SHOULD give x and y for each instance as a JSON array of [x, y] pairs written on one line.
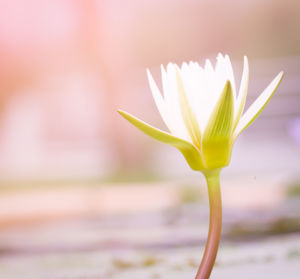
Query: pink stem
[[215, 225]]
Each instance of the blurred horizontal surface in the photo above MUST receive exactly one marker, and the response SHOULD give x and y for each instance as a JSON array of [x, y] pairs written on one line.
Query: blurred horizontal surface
[[167, 240]]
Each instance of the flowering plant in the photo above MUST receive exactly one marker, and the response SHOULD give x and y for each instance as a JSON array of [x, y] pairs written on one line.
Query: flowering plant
[[204, 115]]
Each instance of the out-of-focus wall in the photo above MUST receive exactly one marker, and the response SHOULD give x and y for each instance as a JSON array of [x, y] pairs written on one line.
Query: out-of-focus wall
[[66, 66]]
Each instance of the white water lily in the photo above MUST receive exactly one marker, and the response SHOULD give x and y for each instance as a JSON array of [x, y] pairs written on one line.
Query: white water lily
[[202, 110]]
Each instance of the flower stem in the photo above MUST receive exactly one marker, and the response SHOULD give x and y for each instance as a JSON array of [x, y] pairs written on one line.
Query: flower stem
[[215, 225]]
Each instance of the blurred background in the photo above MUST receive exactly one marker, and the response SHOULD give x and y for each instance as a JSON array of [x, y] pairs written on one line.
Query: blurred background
[[83, 194]]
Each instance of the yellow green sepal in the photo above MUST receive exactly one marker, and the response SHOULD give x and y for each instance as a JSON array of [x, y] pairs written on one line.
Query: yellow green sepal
[[216, 142], [189, 151]]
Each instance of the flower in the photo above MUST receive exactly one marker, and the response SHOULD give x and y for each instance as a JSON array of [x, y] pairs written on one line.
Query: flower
[[202, 110]]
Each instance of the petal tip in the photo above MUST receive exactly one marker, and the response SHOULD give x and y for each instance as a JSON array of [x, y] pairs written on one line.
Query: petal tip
[[227, 85], [281, 74], [220, 55], [124, 114], [121, 112], [279, 78], [170, 67]]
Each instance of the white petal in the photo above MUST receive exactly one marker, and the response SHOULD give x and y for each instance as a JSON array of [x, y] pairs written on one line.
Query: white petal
[[194, 81], [230, 75], [175, 123], [256, 108], [170, 94], [213, 84], [157, 97], [241, 100], [221, 74], [209, 70], [187, 112]]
